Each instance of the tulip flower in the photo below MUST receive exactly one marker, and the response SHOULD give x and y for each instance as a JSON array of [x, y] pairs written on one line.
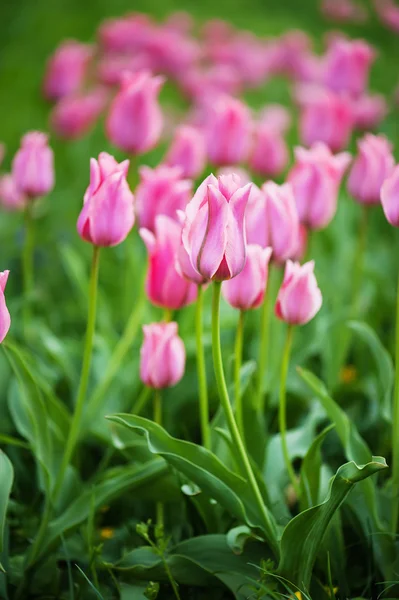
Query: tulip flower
[[107, 215], [165, 285], [74, 115], [315, 180], [369, 111], [134, 121], [299, 298], [373, 164], [67, 69], [187, 151], [246, 291], [33, 166], [5, 319], [388, 13], [162, 356], [346, 66], [390, 197], [213, 231], [344, 11], [11, 198], [269, 156], [161, 191]]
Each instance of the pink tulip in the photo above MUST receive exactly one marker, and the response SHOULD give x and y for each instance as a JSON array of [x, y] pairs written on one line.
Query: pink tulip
[[347, 65], [213, 232], [269, 156], [299, 298], [187, 151], [373, 164], [228, 131], [369, 111], [107, 215], [200, 83], [343, 11], [66, 69], [11, 198], [390, 197], [161, 191], [272, 220], [247, 290], [302, 244], [134, 121], [162, 356], [74, 115], [33, 165], [315, 179], [5, 319], [388, 13], [128, 34], [238, 171], [165, 285]]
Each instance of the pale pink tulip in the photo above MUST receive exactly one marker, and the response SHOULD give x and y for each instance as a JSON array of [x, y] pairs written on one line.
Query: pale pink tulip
[[388, 13], [73, 116], [162, 355], [33, 165], [247, 290], [269, 156], [5, 319], [343, 11], [66, 69], [369, 111], [390, 197], [299, 298], [11, 198], [187, 151], [346, 66]]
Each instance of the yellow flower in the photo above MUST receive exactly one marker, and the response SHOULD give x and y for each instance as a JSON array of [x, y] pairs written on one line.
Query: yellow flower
[[107, 533], [348, 374]]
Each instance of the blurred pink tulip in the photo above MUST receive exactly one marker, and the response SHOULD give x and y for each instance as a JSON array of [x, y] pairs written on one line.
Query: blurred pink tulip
[[247, 290], [73, 116], [107, 215], [200, 83], [187, 151], [11, 198], [346, 66], [369, 111], [299, 298], [66, 69], [134, 121], [162, 355], [272, 220], [5, 319], [213, 231], [161, 191], [33, 165], [165, 285], [343, 11], [388, 13], [302, 244], [111, 68], [127, 34], [373, 164], [390, 197], [315, 179], [269, 156]]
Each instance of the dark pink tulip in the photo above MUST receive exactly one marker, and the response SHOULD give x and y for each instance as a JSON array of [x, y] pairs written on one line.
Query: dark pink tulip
[[134, 122], [11, 198], [165, 285], [66, 69], [5, 319], [390, 197], [187, 151], [347, 65], [315, 179], [272, 220], [73, 116], [299, 298], [161, 191], [33, 165], [213, 232], [343, 11], [162, 355], [247, 290], [373, 164], [107, 215], [369, 111]]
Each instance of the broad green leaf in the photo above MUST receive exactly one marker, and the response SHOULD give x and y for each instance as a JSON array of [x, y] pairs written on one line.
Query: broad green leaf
[[6, 480], [310, 471], [303, 535]]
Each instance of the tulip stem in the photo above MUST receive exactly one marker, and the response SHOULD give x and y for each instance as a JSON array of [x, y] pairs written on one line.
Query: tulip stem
[[201, 371], [141, 401], [359, 261], [395, 429], [267, 523], [237, 372], [158, 421], [27, 264], [264, 346], [167, 315], [282, 413]]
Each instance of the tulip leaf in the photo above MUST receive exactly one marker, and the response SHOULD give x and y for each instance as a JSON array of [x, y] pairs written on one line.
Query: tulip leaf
[[310, 471], [6, 480]]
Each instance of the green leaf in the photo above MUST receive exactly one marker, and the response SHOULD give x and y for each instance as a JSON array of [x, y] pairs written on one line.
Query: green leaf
[[310, 471], [303, 535], [6, 480]]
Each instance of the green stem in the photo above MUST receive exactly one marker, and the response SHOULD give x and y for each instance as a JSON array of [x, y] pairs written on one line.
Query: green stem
[[201, 372], [167, 315], [282, 413], [359, 261], [142, 401], [237, 369], [395, 429], [267, 523], [27, 264], [264, 346], [170, 577], [158, 421]]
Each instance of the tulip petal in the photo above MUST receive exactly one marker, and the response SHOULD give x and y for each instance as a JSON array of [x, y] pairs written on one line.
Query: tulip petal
[[213, 240]]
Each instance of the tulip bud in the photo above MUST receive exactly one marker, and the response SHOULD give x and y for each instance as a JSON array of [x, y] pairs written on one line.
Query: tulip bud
[[165, 286], [390, 197], [346, 66], [315, 180], [66, 69], [247, 290], [187, 151], [161, 191], [162, 355], [73, 116], [5, 319], [213, 231], [107, 215], [272, 220], [134, 122], [299, 298], [33, 166], [11, 198], [373, 164]]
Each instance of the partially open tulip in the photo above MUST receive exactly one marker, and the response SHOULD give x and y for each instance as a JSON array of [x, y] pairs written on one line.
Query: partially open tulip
[[187, 151], [5, 319], [272, 220], [161, 191], [247, 290], [66, 69], [213, 231], [162, 355], [346, 66], [373, 164], [299, 298], [74, 115], [315, 180], [134, 122], [165, 285], [107, 215], [390, 197], [33, 165]]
